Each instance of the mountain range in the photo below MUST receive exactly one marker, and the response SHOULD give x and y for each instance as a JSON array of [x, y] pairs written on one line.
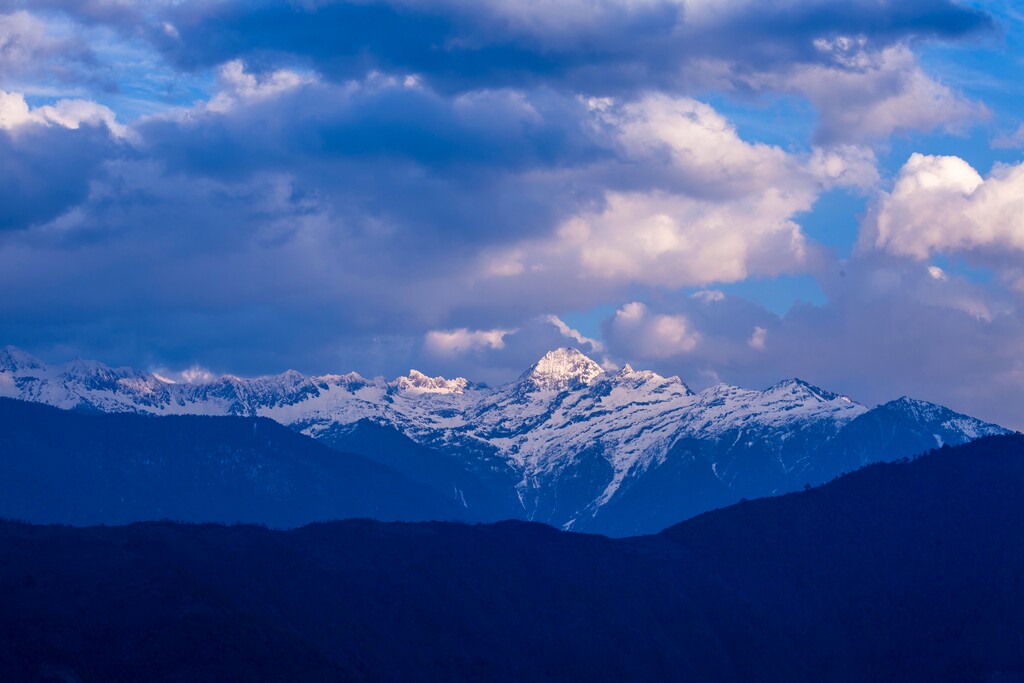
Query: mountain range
[[567, 443]]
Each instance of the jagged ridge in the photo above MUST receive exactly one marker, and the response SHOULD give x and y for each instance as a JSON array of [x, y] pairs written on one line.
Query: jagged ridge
[[570, 439]]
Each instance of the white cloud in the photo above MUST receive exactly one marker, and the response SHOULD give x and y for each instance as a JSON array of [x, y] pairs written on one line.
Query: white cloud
[[706, 153], [573, 334], [867, 95], [757, 338], [238, 85], [714, 208], [653, 336], [463, 340], [940, 204], [845, 166], [708, 296], [675, 241], [193, 375], [15, 112], [25, 43]]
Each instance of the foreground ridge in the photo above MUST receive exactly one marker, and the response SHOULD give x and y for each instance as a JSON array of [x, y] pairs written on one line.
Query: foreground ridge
[[915, 552]]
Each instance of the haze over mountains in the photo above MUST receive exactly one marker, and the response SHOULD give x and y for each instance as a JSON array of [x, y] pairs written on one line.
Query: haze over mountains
[[568, 443]]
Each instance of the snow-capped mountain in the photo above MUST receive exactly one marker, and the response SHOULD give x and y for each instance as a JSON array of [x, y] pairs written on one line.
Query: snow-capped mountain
[[567, 443]]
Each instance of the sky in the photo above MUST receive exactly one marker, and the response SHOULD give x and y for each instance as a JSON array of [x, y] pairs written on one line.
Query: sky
[[733, 191]]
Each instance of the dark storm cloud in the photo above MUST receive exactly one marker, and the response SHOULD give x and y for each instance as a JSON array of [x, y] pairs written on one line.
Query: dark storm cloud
[[47, 170], [397, 165], [457, 45], [588, 45]]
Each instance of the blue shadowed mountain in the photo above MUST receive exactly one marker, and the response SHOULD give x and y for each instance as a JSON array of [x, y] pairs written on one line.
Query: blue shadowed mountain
[[568, 444], [66, 467]]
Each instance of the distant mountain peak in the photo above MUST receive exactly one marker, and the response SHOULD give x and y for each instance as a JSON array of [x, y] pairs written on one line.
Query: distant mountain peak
[[564, 368], [804, 389], [628, 376], [417, 382], [917, 409], [13, 359]]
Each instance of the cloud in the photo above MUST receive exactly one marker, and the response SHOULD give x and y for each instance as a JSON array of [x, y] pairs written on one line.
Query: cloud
[[587, 45], [941, 204], [462, 340], [889, 328], [652, 336], [31, 48], [372, 185], [15, 112], [661, 239], [50, 155], [849, 166], [851, 59], [237, 86], [869, 95], [757, 338], [1014, 140], [593, 345], [708, 296], [381, 209], [691, 202]]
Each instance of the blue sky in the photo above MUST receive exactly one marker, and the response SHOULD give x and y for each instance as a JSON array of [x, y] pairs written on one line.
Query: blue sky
[[729, 191]]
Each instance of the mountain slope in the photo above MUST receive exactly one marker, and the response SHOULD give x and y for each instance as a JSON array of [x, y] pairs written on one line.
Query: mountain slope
[[74, 468], [567, 443], [907, 571]]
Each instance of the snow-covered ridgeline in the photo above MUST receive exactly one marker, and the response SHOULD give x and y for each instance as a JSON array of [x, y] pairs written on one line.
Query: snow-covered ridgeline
[[562, 406]]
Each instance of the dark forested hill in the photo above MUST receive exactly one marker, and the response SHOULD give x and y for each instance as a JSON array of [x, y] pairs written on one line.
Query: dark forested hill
[[77, 468], [906, 571]]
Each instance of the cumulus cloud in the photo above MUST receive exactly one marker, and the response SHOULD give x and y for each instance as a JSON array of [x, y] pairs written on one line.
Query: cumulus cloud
[[674, 241], [647, 335], [849, 166], [30, 48], [941, 204], [710, 206], [462, 340], [869, 95], [240, 86], [15, 112], [757, 338]]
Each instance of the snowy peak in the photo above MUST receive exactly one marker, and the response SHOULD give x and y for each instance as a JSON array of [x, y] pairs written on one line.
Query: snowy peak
[[798, 389], [418, 383], [13, 359], [563, 369], [916, 409], [649, 380], [939, 417]]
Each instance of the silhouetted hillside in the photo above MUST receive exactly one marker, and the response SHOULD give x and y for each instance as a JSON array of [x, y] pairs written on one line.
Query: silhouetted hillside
[[486, 493], [909, 571], [75, 468]]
